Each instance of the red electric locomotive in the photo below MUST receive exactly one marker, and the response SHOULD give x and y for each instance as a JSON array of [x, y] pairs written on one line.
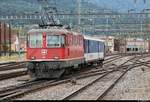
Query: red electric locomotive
[[50, 51]]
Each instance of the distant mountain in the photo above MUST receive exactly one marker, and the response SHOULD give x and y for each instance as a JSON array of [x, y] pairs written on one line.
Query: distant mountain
[[12, 7], [9, 7]]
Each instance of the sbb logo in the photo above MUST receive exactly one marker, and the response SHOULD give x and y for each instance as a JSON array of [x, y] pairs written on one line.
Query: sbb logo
[[44, 51]]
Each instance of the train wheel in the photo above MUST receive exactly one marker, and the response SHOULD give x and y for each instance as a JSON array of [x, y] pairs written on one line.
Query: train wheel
[[101, 64], [57, 73], [68, 71], [31, 74]]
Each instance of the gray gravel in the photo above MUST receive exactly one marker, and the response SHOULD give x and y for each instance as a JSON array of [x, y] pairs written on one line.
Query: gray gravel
[[58, 92], [135, 85], [13, 81], [94, 91], [118, 62]]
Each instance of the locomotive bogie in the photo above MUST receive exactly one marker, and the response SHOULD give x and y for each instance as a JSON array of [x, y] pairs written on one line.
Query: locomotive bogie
[[47, 69]]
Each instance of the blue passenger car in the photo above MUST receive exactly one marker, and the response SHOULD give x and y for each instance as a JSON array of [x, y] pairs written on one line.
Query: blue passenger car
[[93, 49]]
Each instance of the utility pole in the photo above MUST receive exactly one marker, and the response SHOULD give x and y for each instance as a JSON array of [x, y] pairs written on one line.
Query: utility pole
[[135, 1], [9, 40], [143, 27], [18, 42], [107, 35], [0, 39], [146, 29], [5, 47], [79, 12]]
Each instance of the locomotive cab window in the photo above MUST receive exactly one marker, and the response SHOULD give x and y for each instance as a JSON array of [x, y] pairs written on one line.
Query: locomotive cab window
[[35, 40], [55, 41]]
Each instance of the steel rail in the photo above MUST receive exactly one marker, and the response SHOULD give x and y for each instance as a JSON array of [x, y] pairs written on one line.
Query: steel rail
[[128, 67], [113, 59], [13, 93], [13, 74], [37, 87], [14, 66], [94, 81], [19, 92], [118, 79]]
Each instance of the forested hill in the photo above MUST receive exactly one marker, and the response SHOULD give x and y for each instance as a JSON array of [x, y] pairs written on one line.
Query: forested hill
[[12, 7]]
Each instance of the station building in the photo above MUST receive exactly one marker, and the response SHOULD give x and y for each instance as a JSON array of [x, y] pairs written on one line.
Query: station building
[[121, 45], [109, 43], [8, 38]]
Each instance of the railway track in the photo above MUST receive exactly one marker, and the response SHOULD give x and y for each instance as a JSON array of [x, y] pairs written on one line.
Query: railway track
[[16, 91], [11, 66], [85, 87], [112, 59], [22, 89], [11, 70], [115, 82], [119, 78], [13, 92], [70, 96], [5, 63], [108, 58], [119, 57], [105, 91], [12, 73]]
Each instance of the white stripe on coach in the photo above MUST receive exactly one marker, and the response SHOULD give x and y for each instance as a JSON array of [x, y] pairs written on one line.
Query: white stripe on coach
[[93, 56]]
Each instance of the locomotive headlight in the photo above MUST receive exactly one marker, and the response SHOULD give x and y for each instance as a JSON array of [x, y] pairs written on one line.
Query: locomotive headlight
[[56, 58], [33, 57]]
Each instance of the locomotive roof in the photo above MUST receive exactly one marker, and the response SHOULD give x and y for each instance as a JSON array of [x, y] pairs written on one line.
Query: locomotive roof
[[92, 38], [56, 30]]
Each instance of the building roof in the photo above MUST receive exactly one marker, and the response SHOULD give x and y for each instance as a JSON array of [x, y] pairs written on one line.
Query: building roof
[[93, 38], [56, 30]]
